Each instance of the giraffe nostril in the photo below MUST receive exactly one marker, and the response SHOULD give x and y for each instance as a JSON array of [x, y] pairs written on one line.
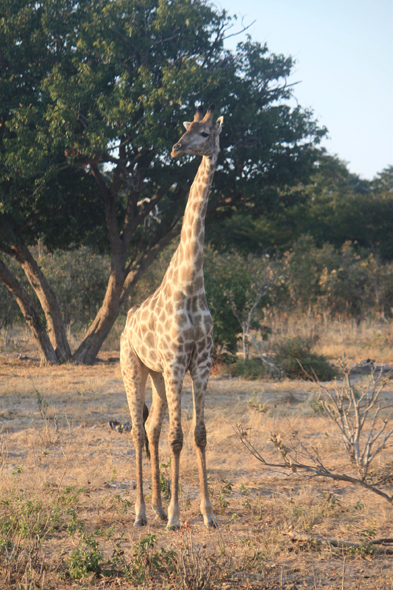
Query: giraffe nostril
[[177, 146]]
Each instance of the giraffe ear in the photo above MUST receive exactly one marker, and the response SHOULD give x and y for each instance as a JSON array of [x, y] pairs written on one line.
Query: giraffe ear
[[186, 124], [219, 123]]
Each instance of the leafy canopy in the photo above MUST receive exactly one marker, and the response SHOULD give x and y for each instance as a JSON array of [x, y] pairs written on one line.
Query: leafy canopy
[[107, 84]]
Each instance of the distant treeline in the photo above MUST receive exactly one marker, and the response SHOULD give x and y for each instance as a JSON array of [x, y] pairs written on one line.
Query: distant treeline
[[334, 207]]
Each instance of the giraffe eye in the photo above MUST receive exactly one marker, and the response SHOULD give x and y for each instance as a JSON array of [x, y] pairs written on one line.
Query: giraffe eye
[[204, 134]]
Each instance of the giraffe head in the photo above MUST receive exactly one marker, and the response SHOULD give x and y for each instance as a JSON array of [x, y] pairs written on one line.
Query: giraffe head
[[201, 137]]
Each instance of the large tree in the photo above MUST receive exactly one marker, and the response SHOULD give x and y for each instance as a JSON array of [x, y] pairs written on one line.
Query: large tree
[[92, 97]]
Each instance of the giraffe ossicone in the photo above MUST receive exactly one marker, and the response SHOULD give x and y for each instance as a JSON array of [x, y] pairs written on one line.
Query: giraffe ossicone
[[171, 333]]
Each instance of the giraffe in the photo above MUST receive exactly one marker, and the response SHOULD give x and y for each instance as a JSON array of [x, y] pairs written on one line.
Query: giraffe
[[170, 333]]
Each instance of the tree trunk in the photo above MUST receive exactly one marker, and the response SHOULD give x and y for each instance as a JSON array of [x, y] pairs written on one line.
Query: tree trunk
[[245, 342], [32, 318], [102, 324], [122, 280], [47, 298]]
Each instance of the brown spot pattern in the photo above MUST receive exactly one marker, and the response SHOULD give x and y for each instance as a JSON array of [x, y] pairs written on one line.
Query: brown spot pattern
[[168, 333]]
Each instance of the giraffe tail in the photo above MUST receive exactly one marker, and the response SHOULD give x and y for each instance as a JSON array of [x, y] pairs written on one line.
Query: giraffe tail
[[145, 416]]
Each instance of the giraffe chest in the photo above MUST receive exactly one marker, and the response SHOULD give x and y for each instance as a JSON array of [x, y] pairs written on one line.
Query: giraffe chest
[[170, 330]]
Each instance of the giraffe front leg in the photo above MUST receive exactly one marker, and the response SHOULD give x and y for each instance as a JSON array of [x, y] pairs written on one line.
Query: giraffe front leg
[[173, 389], [134, 376], [199, 382], [176, 445], [153, 429], [140, 506]]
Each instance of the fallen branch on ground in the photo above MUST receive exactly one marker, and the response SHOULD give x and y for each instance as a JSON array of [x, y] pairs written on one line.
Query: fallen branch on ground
[[295, 536]]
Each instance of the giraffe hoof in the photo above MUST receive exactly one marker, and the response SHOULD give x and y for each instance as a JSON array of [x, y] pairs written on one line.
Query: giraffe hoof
[[160, 514], [211, 524], [140, 522]]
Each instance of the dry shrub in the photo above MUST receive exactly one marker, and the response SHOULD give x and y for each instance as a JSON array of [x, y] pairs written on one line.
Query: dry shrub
[[297, 361]]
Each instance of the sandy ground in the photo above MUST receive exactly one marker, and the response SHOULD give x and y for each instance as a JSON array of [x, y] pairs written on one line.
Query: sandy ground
[[54, 436]]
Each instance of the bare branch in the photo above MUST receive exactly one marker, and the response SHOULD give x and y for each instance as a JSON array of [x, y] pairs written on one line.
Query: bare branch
[[295, 536], [315, 471], [349, 408], [272, 366], [245, 28]]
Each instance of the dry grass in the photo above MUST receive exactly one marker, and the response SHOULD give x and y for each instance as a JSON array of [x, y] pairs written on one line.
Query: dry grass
[[367, 339], [61, 465], [371, 338]]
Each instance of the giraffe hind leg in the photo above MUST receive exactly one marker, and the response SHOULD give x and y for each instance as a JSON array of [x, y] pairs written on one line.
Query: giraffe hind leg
[[134, 375], [145, 417], [173, 387]]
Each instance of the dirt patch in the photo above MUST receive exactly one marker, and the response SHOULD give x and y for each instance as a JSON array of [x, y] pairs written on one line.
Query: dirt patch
[[68, 489]]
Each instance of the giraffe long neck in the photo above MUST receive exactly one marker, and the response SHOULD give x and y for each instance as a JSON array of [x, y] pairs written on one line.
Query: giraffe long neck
[[187, 262]]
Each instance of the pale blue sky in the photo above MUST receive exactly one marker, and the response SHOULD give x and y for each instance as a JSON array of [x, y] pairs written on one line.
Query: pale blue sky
[[344, 55]]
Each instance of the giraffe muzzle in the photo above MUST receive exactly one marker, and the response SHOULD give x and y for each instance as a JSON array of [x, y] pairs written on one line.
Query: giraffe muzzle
[[176, 150]]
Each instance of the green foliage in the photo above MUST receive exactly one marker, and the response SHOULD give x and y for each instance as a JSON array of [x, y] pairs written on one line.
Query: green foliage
[[330, 502], [334, 207], [317, 406], [93, 95], [27, 517], [369, 533], [75, 524], [95, 74], [226, 280], [85, 559], [298, 512], [348, 281], [259, 508], [79, 278], [232, 287], [9, 310], [124, 504], [88, 559], [148, 559], [295, 359], [28, 520], [249, 369], [165, 481], [222, 495], [243, 490]]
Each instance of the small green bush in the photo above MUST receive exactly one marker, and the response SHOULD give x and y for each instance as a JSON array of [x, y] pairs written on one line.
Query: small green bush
[[85, 559], [250, 369], [296, 361]]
